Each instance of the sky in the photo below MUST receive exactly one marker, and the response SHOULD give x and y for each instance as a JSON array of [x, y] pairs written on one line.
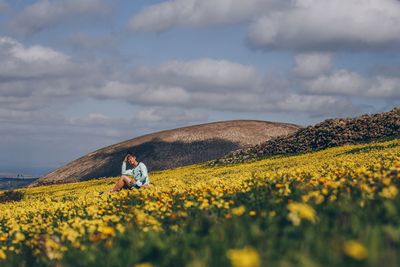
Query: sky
[[78, 75]]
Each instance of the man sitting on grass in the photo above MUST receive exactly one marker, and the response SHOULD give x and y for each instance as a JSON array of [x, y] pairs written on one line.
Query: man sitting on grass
[[132, 178]]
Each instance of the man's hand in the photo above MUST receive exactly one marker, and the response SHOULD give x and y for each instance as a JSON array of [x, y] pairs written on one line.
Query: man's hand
[[126, 158]]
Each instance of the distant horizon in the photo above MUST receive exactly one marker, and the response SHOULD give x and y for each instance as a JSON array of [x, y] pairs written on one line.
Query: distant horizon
[[14, 175], [17, 178]]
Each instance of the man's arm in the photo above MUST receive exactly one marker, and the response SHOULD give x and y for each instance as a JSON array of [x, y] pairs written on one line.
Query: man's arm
[[143, 173], [124, 171]]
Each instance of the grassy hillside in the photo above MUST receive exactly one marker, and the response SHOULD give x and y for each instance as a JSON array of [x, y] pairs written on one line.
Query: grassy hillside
[[334, 207]]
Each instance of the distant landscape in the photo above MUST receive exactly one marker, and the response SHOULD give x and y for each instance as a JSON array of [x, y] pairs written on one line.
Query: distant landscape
[[7, 183]]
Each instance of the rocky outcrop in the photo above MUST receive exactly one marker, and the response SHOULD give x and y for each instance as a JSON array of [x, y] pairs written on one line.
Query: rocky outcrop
[[170, 149], [329, 133]]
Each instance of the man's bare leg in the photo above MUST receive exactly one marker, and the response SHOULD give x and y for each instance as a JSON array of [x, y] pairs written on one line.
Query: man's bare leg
[[120, 183]]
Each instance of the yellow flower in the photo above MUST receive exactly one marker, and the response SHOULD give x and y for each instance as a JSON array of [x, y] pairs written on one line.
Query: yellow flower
[[174, 227], [120, 228], [252, 213], [3, 255], [51, 243], [355, 250], [245, 257], [144, 264], [332, 198], [238, 211], [188, 204], [294, 218], [386, 181], [389, 192], [18, 237], [107, 230], [300, 211]]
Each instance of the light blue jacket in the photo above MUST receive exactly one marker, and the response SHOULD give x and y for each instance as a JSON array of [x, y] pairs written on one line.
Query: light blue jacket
[[139, 173]]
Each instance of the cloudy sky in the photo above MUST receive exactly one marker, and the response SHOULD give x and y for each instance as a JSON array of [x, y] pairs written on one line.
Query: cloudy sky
[[78, 75]]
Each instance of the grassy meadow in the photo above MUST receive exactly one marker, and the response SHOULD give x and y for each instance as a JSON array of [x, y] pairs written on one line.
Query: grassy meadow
[[335, 207]]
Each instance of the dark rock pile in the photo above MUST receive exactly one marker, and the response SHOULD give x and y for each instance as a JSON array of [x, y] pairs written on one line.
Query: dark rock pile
[[329, 133], [9, 196]]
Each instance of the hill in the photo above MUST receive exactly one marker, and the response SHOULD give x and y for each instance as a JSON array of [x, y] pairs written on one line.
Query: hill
[[329, 133], [170, 149]]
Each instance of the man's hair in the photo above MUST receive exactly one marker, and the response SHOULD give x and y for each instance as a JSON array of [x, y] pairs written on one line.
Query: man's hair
[[129, 153]]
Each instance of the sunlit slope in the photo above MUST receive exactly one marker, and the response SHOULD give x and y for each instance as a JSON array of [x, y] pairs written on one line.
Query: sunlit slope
[[281, 192]]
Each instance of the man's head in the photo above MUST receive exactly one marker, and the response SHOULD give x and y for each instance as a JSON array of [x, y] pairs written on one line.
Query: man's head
[[131, 158]]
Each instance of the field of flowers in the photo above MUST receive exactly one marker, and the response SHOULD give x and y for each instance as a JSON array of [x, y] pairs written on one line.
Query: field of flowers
[[335, 207]]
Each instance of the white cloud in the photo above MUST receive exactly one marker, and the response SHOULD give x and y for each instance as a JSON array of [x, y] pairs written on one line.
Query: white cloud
[[285, 24], [202, 83], [203, 74], [387, 87], [345, 82], [316, 105], [312, 64], [32, 76], [163, 16], [29, 75], [339, 82], [22, 61], [93, 119], [332, 25], [44, 13], [26, 117], [35, 77], [162, 114], [290, 102], [171, 90], [141, 93]]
